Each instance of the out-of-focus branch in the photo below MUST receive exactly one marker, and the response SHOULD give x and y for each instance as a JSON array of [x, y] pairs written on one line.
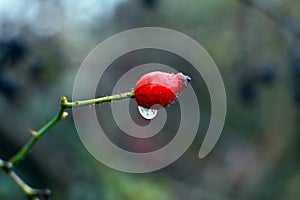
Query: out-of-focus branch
[[282, 23]]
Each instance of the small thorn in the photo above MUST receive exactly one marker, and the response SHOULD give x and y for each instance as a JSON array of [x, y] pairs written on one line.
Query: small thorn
[[32, 132]]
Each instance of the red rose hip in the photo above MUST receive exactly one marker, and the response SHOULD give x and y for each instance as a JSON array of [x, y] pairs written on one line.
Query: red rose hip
[[156, 89]]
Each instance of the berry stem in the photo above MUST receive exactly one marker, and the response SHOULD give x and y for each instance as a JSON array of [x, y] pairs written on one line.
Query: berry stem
[[100, 100]]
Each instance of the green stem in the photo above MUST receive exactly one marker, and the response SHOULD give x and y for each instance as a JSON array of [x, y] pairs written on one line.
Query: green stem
[[31, 193], [100, 100], [20, 155]]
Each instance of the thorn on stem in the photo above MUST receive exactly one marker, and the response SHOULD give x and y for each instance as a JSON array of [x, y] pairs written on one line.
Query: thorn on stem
[[32, 132]]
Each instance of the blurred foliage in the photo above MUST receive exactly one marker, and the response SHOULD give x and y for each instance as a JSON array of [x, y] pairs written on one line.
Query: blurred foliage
[[42, 44]]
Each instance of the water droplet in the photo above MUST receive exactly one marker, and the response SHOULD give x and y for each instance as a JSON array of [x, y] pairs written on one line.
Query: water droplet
[[147, 113]]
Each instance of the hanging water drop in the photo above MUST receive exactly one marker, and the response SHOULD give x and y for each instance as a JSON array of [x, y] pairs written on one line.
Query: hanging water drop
[[147, 113]]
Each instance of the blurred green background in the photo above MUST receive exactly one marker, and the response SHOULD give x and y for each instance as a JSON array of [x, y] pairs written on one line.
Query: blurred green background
[[256, 48]]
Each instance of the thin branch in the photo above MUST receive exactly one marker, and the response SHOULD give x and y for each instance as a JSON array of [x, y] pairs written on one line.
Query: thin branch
[[35, 194], [32, 194], [20, 155]]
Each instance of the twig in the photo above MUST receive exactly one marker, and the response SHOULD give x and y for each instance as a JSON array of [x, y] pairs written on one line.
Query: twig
[[20, 155], [31, 193], [62, 115], [36, 194]]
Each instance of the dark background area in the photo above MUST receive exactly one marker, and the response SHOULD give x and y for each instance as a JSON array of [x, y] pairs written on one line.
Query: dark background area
[[255, 45]]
